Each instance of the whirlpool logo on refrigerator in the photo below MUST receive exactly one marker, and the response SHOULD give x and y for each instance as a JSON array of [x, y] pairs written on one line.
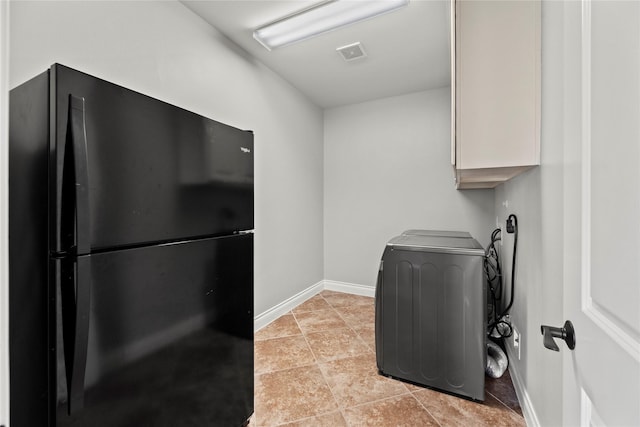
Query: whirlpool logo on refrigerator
[[245, 150]]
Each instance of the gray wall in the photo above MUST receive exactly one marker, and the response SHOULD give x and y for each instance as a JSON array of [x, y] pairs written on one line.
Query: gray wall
[[162, 49], [387, 169], [536, 197]]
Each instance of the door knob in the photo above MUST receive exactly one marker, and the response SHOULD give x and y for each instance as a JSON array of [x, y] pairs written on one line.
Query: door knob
[[566, 333]]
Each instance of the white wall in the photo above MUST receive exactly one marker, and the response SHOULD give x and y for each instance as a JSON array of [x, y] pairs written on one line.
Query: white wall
[[536, 197], [4, 212], [162, 49], [387, 169]]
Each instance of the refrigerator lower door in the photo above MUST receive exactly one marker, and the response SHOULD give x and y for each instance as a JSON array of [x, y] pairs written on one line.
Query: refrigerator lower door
[[169, 336]]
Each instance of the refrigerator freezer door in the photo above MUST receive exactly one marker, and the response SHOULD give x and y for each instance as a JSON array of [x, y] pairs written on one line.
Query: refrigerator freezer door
[[156, 173], [170, 337]]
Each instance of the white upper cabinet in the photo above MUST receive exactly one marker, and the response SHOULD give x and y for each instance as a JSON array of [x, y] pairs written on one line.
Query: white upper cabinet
[[495, 86]]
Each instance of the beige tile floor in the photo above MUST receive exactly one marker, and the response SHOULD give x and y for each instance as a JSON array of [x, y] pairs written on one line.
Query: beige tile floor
[[315, 366]]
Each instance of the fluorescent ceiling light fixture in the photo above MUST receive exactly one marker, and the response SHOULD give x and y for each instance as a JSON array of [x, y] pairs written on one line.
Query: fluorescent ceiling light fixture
[[323, 17]]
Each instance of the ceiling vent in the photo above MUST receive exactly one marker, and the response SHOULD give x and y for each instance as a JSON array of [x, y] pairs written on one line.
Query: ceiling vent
[[351, 51]]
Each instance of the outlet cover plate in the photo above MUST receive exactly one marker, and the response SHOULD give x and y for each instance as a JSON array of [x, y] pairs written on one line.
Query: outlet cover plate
[[517, 341]]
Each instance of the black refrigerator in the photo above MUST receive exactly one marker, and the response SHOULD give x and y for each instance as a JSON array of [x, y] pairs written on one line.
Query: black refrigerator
[[131, 259]]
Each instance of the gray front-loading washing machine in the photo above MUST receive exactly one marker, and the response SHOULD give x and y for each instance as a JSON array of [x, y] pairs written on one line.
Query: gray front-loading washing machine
[[431, 312]]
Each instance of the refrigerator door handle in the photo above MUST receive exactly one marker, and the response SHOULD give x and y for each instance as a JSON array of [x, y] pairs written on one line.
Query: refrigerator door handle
[[78, 135], [76, 300]]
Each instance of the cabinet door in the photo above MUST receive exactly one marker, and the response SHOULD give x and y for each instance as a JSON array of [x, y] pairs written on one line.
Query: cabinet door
[[496, 79]]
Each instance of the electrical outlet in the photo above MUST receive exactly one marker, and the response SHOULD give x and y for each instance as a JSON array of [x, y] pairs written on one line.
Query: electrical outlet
[[517, 341]]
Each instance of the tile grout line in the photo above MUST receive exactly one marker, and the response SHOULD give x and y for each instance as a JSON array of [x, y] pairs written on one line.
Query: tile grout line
[[426, 409], [349, 326], [319, 369], [284, 369], [300, 419], [505, 405], [381, 399], [305, 337], [362, 341], [290, 312], [343, 409], [285, 337], [340, 408]]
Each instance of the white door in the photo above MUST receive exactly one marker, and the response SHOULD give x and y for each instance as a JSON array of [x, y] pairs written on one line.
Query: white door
[[602, 212]]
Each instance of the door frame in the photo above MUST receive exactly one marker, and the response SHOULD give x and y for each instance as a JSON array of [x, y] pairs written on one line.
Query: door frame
[[4, 212]]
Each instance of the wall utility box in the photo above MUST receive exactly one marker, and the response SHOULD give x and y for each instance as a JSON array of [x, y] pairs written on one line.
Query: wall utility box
[[431, 312]]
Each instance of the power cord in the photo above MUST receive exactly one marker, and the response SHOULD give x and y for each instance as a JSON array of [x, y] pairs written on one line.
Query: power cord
[[493, 273], [499, 325], [512, 228]]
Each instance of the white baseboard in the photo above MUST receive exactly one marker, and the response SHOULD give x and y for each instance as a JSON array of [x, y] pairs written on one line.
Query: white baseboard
[[349, 288], [266, 317], [523, 397]]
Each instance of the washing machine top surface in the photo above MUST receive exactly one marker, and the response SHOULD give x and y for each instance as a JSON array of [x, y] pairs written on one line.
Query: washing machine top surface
[[435, 243], [438, 233]]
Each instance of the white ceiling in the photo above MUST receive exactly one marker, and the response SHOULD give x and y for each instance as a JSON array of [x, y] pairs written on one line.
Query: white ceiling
[[407, 50]]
